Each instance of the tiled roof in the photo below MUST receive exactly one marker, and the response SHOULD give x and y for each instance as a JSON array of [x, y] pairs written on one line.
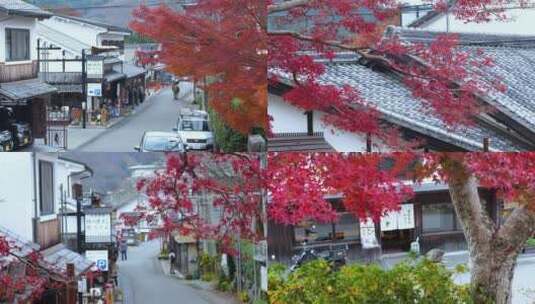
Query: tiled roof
[[22, 8], [21, 90], [59, 256], [399, 107], [21, 247], [514, 63]]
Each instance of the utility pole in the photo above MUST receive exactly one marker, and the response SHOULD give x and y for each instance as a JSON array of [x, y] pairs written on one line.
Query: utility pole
[[84, 90], [77, 190]]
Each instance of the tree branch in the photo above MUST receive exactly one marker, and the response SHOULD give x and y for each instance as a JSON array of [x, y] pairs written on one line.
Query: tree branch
[[517, 229], [477, 226], [286, 5]]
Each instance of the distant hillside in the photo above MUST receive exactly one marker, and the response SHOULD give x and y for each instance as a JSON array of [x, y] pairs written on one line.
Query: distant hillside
[[115, 12], [111, 169]]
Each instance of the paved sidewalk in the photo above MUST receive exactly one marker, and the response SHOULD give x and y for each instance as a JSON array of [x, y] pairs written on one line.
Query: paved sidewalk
[[208, 289]]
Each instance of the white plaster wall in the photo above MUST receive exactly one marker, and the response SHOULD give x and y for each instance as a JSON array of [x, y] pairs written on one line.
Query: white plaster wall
[[287, 118], [522, 22], [83, 32], [17, 193], [19, 23]]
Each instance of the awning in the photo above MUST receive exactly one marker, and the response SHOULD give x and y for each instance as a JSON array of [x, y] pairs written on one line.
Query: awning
[[20, 91], [132, 71], [114, 76], [59, 256]]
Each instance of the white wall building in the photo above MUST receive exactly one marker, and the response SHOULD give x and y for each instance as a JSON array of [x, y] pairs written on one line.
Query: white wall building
[[288, 119], [32, 191]]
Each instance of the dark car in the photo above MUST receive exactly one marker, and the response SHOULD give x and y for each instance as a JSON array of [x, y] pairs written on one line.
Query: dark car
[[6, 141], [20, 131], [161, 142]]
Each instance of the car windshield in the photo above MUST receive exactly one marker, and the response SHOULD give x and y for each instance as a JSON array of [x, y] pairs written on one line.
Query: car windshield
[[194, 125], [161, 143]]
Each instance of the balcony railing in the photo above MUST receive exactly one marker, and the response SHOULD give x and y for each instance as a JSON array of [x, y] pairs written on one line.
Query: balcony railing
[[16, 72]]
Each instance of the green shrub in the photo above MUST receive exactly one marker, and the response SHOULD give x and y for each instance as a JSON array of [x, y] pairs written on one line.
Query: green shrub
[[208, 267], [244, 297], [422, 282], [227, 139], [224, 284], [208, 277], [530, 242]]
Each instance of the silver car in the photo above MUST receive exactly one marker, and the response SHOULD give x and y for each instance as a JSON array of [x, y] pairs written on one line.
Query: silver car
[[161, 142]]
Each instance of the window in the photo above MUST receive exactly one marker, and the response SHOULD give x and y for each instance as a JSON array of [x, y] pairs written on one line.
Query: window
[[346, 228], [439, 217], [17, 44], [46, 187]]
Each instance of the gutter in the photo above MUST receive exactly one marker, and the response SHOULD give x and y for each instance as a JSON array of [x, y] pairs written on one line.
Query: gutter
[[35, 218]]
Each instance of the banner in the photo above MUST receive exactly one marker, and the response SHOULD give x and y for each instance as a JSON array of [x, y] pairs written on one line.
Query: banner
[[399, 220], [368, 238]]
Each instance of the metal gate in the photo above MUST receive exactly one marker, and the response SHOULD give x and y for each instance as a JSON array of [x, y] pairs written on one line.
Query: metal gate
[[57, 121]]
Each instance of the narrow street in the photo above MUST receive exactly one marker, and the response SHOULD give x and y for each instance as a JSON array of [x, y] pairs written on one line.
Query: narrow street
[[143, 281], [160, 114]]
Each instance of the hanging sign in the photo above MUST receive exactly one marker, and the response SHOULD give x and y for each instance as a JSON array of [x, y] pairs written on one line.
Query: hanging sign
[[399, 220], [368, 238], [98, 228], [94, 68], [406, 217]]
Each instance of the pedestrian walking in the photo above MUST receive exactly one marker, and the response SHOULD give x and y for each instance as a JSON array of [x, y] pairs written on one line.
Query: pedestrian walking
[[176, 89], [172, 258], [123, 247]]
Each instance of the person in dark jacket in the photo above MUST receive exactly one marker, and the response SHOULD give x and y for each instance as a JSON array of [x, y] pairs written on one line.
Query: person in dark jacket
[[123, 247]]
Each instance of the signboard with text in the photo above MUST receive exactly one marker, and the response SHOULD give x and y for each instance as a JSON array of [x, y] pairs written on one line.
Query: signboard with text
[[94, 68], [98, 228], [368, 238]]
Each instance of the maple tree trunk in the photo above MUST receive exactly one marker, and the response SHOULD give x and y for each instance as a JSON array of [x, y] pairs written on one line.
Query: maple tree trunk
[[493, 249]]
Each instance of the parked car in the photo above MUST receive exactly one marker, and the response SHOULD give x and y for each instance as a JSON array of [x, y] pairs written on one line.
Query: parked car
[[20, 131], [193, 126], [131, 237], [161, 142], [6, 141]]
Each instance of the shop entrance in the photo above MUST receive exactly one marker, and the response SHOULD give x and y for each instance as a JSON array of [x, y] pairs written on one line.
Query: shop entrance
[[397, 240]]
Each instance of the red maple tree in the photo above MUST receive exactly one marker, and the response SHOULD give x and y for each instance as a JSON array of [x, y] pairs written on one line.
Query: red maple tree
[[25, 276], [208, 42], [372, 184], [443, 76], [192, 186]]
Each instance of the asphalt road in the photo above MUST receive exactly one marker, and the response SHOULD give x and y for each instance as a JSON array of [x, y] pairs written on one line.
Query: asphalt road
[[143, 281], [159, 114]]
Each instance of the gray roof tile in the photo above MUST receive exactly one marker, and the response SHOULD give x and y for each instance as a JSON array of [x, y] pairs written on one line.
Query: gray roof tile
[[22, 8]]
